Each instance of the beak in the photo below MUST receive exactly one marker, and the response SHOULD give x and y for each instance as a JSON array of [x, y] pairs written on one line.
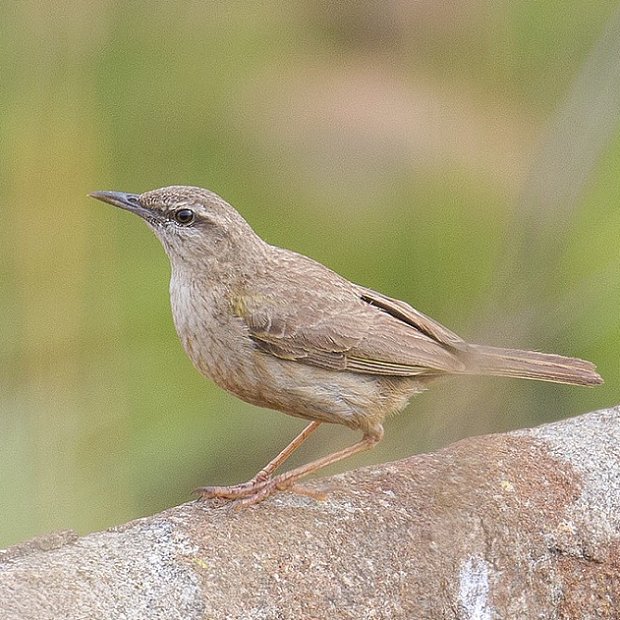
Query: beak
[[129, 202]]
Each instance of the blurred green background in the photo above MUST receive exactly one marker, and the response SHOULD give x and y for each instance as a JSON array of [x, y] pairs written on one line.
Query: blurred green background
[[463, 156]]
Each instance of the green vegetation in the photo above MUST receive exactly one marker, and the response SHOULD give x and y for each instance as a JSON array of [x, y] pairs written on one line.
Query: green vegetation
[[398, 144]]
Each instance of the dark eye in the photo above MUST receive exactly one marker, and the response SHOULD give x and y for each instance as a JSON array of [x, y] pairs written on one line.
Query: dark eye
[[184, 216]]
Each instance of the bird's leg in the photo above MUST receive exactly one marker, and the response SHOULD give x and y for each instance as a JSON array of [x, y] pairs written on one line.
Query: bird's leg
[[251, 486], [288, 479]]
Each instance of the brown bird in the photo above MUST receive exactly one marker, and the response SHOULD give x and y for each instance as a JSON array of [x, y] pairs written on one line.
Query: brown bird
[[282, 331]]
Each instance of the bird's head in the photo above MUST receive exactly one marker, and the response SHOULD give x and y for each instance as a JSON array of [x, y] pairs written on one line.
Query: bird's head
[[192, 223]]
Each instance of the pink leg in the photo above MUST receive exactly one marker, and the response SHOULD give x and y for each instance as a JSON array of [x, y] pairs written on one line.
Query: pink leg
[[288, 479], [251, 486]]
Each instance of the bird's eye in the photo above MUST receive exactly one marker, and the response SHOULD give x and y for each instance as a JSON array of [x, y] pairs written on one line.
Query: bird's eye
[[184, 216]]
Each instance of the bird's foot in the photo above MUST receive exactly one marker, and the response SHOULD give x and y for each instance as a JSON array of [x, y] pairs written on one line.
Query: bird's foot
[[234, 491], [274, 486], [256, 490]]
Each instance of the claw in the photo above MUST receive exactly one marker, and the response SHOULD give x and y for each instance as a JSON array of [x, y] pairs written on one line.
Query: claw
[[259, 496], [305, 491], [235, 491], [215, 492], [273, 487]]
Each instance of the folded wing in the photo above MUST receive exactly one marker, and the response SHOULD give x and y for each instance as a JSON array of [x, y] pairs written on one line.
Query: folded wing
[[353, 329]]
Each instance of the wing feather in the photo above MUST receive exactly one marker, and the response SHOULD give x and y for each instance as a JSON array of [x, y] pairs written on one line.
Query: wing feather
[[356, 330], [406, 313]]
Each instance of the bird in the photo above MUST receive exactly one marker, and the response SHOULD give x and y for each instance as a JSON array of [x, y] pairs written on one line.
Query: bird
[[282, 331]]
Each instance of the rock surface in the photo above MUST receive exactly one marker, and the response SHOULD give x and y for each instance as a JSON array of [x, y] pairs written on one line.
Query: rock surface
[[520, 525]]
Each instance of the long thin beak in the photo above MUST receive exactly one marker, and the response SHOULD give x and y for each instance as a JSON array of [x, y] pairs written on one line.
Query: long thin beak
[[129, 202]]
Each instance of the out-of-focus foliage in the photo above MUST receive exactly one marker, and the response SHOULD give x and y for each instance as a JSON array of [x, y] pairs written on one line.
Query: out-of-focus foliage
[[397, 142]]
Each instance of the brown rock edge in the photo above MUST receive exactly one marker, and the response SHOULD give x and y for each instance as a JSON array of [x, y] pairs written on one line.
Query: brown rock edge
[[519, 525]]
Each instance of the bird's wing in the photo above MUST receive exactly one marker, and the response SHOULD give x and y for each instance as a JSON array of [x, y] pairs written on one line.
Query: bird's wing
[[406, 313], [352, 329]]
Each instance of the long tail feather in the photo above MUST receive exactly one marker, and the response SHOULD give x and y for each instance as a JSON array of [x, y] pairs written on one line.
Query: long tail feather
[[532, 365]]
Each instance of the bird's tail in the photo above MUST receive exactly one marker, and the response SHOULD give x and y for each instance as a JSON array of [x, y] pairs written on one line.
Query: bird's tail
[[532, 365]]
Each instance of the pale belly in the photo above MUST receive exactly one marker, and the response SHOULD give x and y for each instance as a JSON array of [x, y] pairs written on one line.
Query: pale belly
[[221, 348], [297, 389]]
